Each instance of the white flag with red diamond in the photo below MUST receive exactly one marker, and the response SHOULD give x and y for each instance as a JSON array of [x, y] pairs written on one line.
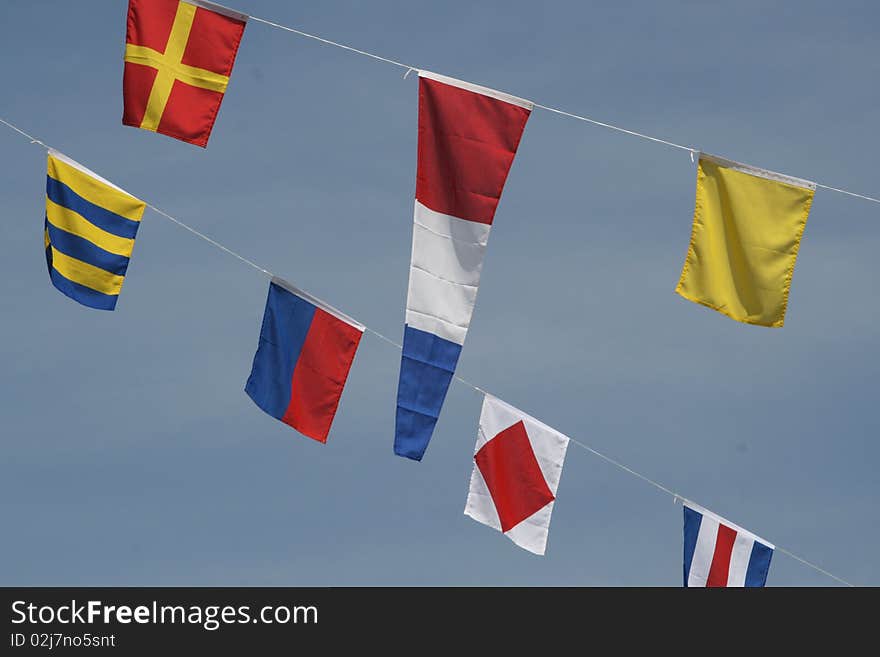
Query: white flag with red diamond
[[517, 465]]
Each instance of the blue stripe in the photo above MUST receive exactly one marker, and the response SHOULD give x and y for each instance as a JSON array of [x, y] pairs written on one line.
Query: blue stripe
[[426, 369], [692, 522], [759, 565], [286, 324], [81, 249], [84, 295], [61, 194]]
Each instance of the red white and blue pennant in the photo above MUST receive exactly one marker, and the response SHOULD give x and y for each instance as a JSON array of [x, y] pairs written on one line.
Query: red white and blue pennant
[[468, 136]]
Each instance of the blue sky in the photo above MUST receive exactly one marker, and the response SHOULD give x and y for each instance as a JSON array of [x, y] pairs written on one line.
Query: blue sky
[[132, 455]]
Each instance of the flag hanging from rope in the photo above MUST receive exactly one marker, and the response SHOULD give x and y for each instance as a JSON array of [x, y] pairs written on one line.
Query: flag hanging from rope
[[517, 466], [178, 58], [302, 362], [717, 553], [747, 230], [468, 137], [89, 232]]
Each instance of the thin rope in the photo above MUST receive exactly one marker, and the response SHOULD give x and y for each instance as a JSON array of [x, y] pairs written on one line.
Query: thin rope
[[814, 566], [33, 139], [476, 388], [843, 191], [680, 498], [618, 128], [332, 43], [379, 335], [617, 464], [577, 117], [211, 241]]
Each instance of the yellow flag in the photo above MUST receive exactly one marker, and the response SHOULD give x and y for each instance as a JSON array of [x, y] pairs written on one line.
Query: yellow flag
[[747, 230]]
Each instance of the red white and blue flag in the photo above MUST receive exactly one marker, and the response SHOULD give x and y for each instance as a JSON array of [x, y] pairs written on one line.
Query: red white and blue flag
[[517, 465], [718, 553], [468, 136], [302, 362]]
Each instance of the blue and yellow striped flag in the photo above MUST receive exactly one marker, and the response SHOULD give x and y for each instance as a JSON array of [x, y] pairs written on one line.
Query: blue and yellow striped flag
[[89, 232]]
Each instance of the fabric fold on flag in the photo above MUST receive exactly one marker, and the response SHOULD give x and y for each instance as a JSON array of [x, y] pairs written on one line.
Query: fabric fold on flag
[[517, 466], [718, 553], [178, 59], [468, 137], [746, 233], [88, 232], [302, 362]]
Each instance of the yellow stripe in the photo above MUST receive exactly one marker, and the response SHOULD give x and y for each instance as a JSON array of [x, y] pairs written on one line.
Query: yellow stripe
[[159, 95], [46, 238], [86, 274], [95, 191], [172, 56], [197, 77], [72, 222]]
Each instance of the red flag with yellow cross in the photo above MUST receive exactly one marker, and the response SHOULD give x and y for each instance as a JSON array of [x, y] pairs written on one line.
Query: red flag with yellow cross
[[178, 59]]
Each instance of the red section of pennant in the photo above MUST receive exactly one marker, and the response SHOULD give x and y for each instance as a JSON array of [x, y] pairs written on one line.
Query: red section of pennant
[[467, 142], [720, 568], [513, 476], [212, 46], [320, 374]]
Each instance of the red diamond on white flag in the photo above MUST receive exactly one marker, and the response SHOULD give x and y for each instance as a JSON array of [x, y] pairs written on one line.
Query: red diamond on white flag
[[517, 465]]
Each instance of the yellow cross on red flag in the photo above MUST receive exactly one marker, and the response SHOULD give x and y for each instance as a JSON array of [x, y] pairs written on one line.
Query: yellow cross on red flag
[[178, 59]]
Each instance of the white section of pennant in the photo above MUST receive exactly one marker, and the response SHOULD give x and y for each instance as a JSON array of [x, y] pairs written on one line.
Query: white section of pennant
[[452, 247], [315, 301], [220, 9], [757, 171], [447, 260], [485, 91], [739, 530], [549, 447], [438, 306], [739, 560], [76, 165], [704, 552]]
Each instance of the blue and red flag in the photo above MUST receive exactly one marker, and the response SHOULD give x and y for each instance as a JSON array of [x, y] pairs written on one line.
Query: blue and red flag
[[302, 362], [717, 553]]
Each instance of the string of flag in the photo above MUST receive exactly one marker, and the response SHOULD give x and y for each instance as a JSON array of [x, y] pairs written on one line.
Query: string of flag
[[586, 119], [517, 458], [147, 109], [746, 233]]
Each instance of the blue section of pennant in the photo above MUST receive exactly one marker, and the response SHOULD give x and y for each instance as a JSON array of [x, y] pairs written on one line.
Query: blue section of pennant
[[426, 370], [692, 522], [759, 564], [286, 324]]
